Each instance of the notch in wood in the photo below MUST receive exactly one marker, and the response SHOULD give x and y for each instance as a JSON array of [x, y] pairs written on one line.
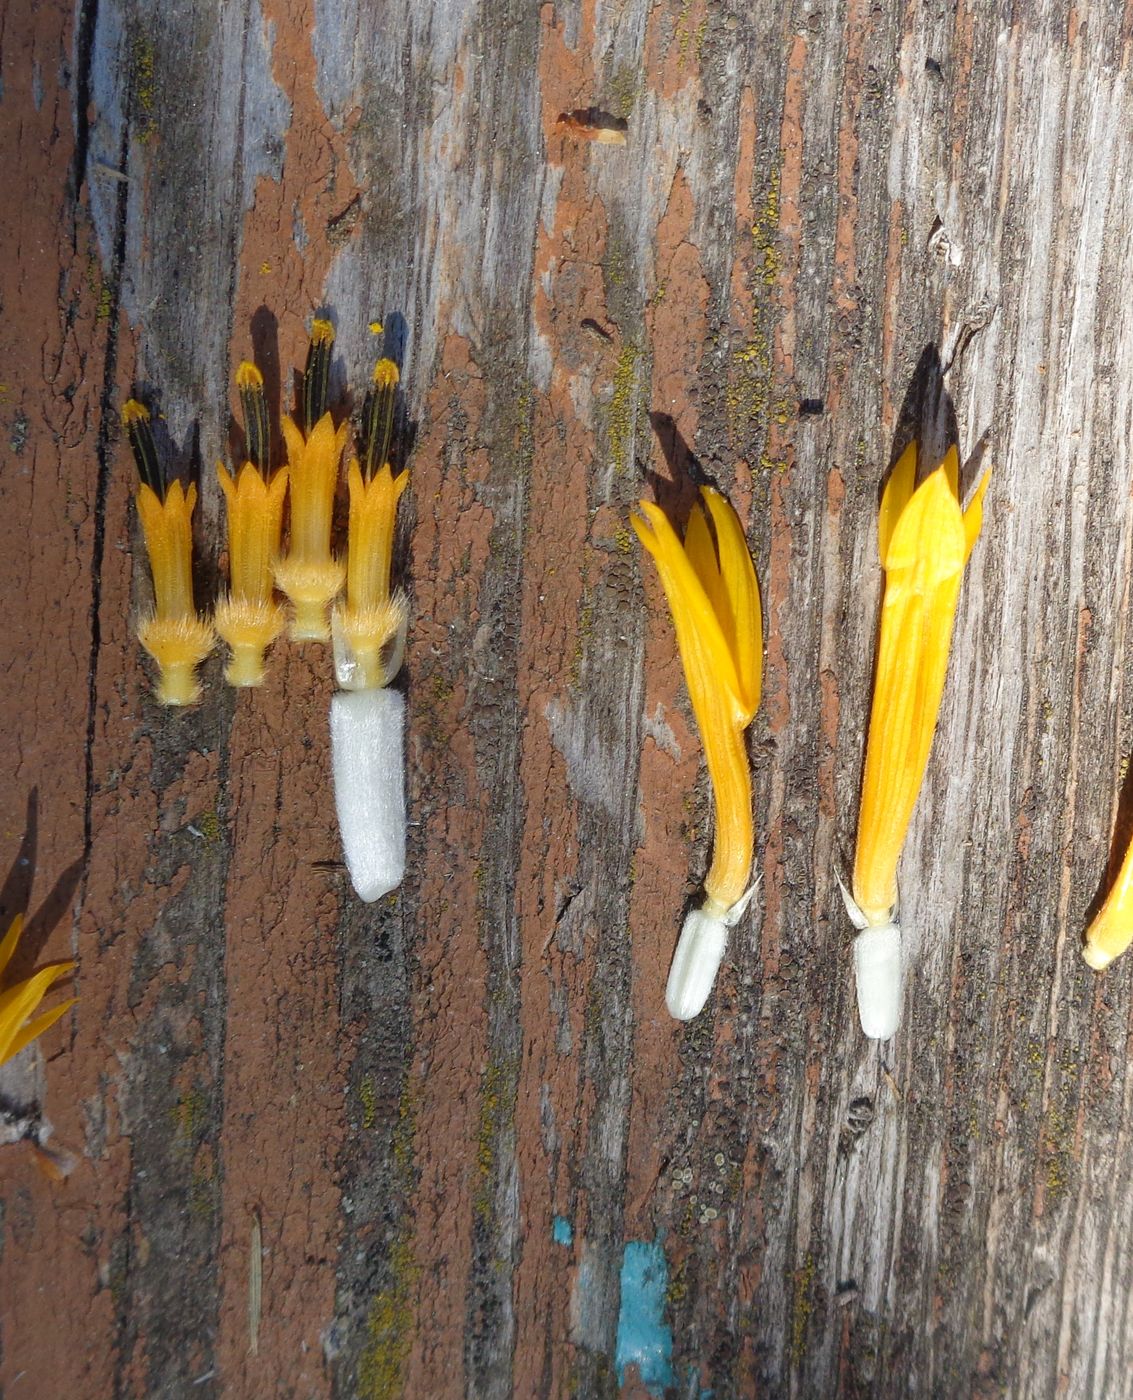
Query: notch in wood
[[592, 124]]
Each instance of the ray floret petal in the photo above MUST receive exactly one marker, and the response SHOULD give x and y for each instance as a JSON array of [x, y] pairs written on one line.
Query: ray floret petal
[[713, 597], [1111, 931], [19, 1026], [924, 541]]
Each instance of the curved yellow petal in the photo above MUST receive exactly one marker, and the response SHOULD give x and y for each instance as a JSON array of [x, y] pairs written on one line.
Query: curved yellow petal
[[974, 515], [35, 1028], [951, 469], [694, 617], [701, 550], [1112, 930], [725, 756], [707, 598], [18, 1003], [11, 938], [928, 542], [744, 623], [925, 562], [896, 496]]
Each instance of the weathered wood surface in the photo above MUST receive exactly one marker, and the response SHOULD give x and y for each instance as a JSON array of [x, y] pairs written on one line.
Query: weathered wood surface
[[399, 1100]]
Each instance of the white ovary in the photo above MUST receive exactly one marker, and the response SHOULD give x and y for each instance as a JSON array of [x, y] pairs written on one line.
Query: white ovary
[[366, 740], [700, 950], [878, 975]]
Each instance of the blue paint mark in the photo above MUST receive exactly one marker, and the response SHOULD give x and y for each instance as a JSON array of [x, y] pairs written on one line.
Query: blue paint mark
[[562, 1231], [644, 1340]]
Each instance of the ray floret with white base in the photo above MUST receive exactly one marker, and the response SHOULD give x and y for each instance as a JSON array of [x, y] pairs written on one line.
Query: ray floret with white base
[[924, 540], [709, 581]]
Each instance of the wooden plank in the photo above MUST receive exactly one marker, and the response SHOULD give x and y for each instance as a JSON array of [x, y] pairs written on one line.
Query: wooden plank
[[432, 1127]]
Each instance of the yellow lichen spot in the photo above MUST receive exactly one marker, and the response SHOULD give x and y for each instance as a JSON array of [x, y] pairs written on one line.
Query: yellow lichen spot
[[265, 268], [389, 1326], [189, 1116], [389, 1329], [765, 235], [369, 1101], [802, 1308], [682, 31], [624, 89], [621, 413], [748, 394], [143, 87], [376, 328]]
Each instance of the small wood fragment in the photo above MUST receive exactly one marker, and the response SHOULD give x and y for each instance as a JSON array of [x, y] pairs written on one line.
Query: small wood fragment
[[255, 1285]]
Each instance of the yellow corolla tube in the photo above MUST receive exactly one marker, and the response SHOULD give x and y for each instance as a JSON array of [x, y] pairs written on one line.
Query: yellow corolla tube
[[309, 573], [714, 599], [369, 632], [173, 634], [925, 540], [248, 618], [1112, 931]]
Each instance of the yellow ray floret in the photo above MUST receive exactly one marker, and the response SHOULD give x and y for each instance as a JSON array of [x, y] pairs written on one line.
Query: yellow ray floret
[[18, 1025], [309, 574], [248, 619], [176, 638], [714, 599], [925, 540], [1112, 930]]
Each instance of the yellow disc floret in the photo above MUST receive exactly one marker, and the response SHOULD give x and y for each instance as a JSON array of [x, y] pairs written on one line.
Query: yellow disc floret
[[176, 638]]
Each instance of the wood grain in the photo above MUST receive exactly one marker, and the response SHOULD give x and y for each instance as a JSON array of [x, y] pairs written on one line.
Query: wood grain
[[830, 226]]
